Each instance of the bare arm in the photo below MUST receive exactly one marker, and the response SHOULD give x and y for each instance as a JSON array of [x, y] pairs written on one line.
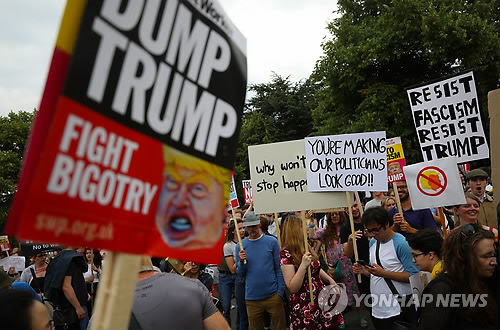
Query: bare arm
[[294, 279], [326, 278], [69, 293], [349, 246], [403, 277], [216, 321], [231, 264], [317, 246]]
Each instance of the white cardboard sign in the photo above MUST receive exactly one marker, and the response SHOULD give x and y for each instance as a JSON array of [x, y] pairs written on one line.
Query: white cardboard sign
[[347, 162], [434, 184], [279, 183], [447, 119]]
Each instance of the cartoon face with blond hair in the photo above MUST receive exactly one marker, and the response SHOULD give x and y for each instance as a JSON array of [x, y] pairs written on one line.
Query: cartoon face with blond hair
[[395, 168], [193, 200]]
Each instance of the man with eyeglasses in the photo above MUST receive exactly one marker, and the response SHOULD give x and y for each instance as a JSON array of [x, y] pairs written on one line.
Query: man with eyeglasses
[[426, 251], [411, 220], [390, 267]]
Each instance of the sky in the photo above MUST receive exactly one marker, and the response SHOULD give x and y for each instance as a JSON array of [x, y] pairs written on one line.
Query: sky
[[283, 36]]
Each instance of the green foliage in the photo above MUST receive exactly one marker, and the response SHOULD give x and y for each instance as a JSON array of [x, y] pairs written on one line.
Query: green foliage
[[279, 110], [380, 47], [14, 132]]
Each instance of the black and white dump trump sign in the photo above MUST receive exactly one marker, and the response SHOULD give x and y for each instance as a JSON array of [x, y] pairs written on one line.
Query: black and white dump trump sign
[[447, 119]]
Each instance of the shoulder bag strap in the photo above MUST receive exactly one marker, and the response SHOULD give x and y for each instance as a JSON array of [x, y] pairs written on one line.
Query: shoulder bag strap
[[388, 281]]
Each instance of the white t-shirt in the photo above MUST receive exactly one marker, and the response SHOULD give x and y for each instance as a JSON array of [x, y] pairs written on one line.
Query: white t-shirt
[[88, 273], [373, 203], [395, 256]]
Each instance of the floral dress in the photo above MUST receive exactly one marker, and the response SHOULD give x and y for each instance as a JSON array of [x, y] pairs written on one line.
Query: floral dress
[[335, 252], [303, 315]]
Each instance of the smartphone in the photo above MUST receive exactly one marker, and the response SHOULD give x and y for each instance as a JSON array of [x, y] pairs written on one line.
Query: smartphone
[[364, 263]]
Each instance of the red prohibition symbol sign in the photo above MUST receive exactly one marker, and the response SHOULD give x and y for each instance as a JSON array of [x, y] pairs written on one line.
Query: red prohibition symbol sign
[[435, 179]]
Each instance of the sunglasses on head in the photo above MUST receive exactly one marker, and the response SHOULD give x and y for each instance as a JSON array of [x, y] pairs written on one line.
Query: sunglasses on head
[[468, 230]]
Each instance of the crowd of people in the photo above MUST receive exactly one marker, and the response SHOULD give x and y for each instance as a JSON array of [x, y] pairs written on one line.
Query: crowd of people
[[279, 283]]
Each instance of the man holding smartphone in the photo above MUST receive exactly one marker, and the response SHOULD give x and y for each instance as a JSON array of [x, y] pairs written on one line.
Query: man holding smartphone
[[390, 270]]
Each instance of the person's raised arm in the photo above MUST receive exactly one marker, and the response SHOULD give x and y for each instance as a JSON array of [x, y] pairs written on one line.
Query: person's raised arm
[[241, 267], [294, 279]]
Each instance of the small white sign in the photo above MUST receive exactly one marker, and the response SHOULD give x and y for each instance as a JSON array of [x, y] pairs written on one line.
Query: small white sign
[[434, 184]]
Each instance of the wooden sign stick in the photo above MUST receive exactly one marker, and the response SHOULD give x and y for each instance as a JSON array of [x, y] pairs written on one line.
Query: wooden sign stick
[[306, 245], [92, 283], [353, 231], [237, 232], [443, 223], [277, 227], [116, 291], [360, 205], [396, 196]]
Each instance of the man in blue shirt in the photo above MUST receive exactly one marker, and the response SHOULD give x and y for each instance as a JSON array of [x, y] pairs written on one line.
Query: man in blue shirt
[[264, 286], [411, 220]]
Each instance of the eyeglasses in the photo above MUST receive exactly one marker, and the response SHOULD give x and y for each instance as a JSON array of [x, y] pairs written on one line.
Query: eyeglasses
[[40, 256], [373, 230], [417, 254], [402, 187]]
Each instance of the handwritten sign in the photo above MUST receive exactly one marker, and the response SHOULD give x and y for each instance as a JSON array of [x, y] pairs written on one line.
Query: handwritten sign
[[395, 160], [447, 119], [348, 162], [279, 182], [18, 263], [247, 191]]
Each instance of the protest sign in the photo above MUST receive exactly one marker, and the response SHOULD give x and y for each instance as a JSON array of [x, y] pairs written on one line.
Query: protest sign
[[395, 160], [447, 119], [31, 248], [19, 263], [348, 162], [279, 183], [233, 196], [418, 282], [247, 191], [144, 113], [4, 243], [434, 184]]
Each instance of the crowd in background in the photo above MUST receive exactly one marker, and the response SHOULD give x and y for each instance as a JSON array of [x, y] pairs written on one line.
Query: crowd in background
[[267, 280]]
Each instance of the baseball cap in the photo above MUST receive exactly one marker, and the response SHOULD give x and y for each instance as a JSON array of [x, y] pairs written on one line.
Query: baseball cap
[[5, 279], [251, 219], [476, 173]]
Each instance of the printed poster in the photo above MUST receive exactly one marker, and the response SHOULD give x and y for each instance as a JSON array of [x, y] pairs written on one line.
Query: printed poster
[[144, 124], [395, 160], [434, 184]]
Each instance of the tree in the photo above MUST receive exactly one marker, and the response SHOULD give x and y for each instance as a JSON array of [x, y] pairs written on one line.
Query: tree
[[14, 132], [380, 47], [280, 110]]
